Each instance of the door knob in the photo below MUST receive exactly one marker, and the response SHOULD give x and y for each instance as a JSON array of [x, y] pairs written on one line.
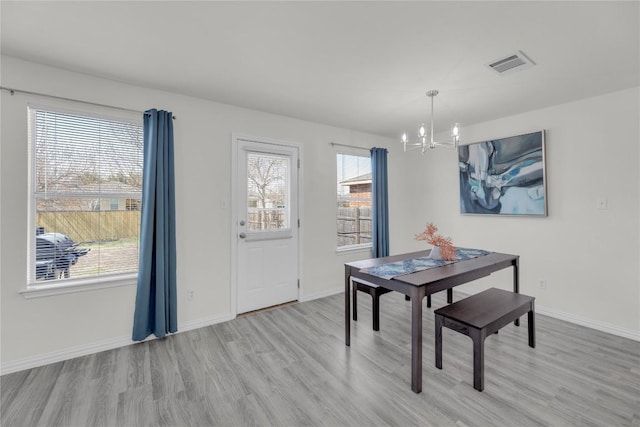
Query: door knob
[[242, 235], [242, 222]]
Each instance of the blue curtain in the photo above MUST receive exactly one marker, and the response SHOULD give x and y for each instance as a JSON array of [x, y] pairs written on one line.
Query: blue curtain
[[156, 309], [380, 201]]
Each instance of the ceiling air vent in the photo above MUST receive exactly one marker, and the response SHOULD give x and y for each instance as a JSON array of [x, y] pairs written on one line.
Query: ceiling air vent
[[510, 63]]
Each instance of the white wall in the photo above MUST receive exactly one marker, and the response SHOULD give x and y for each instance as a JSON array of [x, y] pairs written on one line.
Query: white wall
[[44, 329], [589, 257]]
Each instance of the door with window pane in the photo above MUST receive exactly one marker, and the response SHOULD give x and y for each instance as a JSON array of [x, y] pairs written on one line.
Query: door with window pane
[[267, 224]]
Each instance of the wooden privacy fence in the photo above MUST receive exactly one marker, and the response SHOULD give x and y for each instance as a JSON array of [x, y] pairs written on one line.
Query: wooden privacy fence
[[354, 225], [91, 226], [266, 219]]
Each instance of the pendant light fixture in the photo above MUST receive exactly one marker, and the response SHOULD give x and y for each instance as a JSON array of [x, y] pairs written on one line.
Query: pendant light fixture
[[425, 141]]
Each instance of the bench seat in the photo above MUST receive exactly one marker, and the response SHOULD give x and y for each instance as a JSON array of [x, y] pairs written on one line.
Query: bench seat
[[479, 316]]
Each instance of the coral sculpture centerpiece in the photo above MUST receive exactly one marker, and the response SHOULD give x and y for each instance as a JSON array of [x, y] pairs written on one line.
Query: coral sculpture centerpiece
[[447, 250]]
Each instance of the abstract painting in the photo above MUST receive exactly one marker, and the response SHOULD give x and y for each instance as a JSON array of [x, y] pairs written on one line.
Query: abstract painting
[[504, 176]]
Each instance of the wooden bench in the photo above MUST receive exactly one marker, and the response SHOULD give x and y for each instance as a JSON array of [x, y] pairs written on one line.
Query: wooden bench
[[376, 291], [479, 316]]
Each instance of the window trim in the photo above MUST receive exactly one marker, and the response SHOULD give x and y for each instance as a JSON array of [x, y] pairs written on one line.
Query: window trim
[[361, 247], [359, 153], [70, 286], [34, 289]]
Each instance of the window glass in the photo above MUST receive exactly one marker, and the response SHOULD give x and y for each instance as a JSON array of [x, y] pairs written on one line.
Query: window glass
[[86, 187], [354, 200], [267, 191]]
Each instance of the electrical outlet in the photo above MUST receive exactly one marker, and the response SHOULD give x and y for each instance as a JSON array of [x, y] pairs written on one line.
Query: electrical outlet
[[542, 284], [190, 294]]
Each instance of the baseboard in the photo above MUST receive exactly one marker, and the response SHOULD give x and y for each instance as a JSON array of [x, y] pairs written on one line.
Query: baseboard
[[589, 323], [205, 321], [108, 344], [582, 321], [318, 295]]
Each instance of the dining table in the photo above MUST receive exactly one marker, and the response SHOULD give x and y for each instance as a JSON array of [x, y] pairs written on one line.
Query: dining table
[[418, 284]]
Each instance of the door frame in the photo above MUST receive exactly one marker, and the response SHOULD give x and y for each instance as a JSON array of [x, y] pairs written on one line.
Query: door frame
[[235, 137]]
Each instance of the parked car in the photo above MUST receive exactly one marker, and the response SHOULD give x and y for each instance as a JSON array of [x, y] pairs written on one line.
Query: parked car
[[55, 254]]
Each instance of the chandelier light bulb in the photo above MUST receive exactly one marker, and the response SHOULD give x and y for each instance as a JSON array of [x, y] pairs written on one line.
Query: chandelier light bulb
[[404, 137], [421, 131], [455, 132]]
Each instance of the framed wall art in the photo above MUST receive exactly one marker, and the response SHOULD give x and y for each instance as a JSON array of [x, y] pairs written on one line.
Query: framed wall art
[[504, 176]]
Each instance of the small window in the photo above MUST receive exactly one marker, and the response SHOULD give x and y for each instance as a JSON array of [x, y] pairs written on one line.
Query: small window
[[354, 201], [85, 188], [267, 191]]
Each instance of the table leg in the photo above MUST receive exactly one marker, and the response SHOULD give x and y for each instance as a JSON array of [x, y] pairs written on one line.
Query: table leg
[[347, 306], [416, 339], [439, 323], [354, 297]]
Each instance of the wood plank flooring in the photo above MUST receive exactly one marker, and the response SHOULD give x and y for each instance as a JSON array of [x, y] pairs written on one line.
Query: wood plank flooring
[[290, 367]]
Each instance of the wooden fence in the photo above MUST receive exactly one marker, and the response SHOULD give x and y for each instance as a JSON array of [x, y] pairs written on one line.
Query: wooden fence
[[91, 226], [354, 226], [266, 219]]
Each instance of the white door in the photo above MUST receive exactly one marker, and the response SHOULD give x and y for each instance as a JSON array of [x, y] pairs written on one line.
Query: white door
[[266, 224]]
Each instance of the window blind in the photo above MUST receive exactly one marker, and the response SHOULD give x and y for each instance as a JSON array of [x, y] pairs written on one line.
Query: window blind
[[86, 187]]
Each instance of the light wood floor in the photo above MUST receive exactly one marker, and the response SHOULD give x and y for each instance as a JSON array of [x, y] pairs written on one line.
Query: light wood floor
[[290, 367]]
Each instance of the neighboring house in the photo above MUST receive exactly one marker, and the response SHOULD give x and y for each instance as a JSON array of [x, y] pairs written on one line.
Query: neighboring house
[[359, 191], [122, 197]]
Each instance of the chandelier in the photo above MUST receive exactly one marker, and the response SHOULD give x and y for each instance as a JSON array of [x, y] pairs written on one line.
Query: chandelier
[[423, 142]]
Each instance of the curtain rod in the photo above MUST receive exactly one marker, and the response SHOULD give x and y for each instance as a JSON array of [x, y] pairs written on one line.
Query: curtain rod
[[334, 144], [26, 92]]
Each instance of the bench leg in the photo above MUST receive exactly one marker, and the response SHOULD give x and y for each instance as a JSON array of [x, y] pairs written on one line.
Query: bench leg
[[478, 337], [428, 301], [439, 323], [376, 312], [449, 295], [355, 301], [532, 327]]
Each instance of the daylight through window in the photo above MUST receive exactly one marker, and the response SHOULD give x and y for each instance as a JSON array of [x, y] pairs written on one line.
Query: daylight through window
[[354, 201], [86, 190], [267, 191]]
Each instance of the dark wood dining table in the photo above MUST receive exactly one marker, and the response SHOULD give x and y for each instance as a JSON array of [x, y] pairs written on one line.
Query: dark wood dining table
[[419, 284]]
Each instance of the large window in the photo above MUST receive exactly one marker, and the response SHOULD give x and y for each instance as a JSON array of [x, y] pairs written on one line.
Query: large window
[[85, 186], [354, 201]]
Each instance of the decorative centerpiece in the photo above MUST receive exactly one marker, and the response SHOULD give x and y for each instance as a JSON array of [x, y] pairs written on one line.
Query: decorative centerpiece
[[442, 246]]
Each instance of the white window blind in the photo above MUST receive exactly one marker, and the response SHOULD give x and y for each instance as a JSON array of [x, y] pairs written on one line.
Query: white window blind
[[86, 190], [354, 201]]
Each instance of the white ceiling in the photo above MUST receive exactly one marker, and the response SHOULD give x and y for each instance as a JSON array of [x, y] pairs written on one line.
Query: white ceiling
[[359, 65]]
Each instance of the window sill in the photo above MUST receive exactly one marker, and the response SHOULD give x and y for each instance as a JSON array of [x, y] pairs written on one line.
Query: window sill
[[353, 248], [81, 285]]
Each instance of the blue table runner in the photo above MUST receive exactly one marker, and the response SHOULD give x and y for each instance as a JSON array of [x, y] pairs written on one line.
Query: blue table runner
[[400, 268]]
